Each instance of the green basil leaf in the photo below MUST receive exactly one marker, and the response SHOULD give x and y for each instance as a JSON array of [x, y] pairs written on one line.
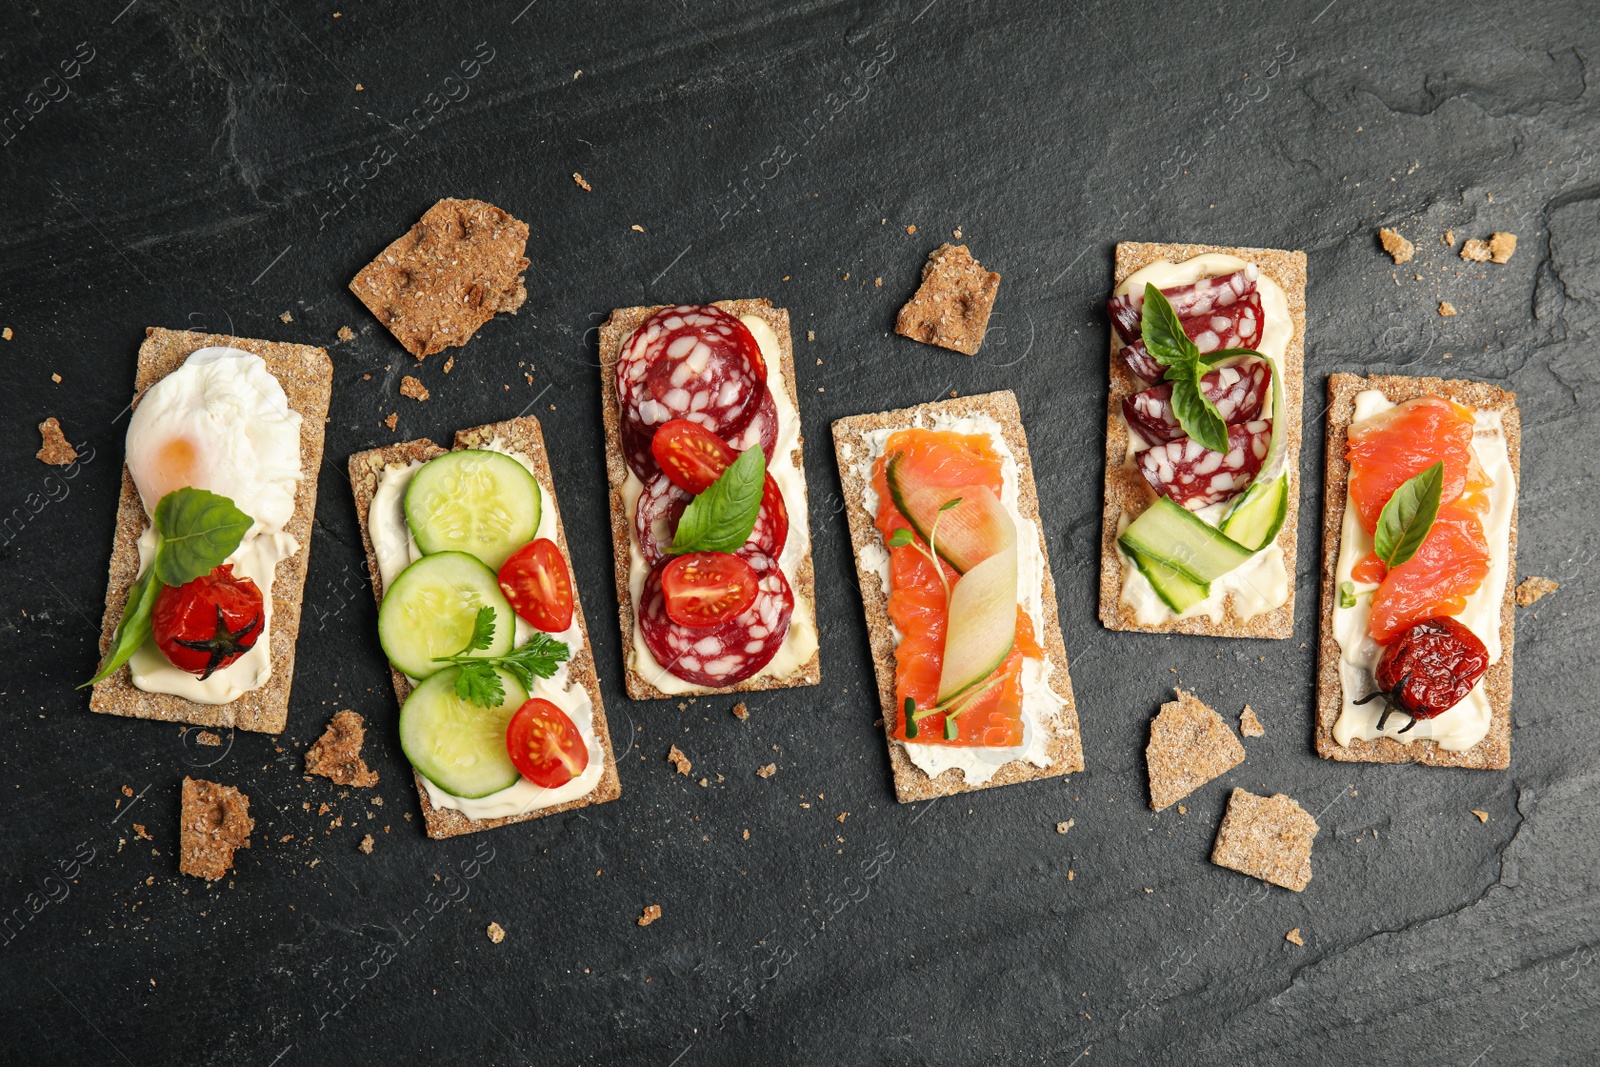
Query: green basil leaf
[[134, 629], [720, 518], [1161, 331], [199, 530], [1347, 594], [1408, 516], [1197, 415]]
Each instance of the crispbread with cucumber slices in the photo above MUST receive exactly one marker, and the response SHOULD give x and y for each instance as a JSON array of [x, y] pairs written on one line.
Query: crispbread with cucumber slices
[[1494, 751], [306, 375], [853, 450], [1126, 491], [524, 436]]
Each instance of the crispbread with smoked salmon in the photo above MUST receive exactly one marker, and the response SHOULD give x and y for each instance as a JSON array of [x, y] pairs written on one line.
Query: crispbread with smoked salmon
[[306, 374], [851, 448], [1125, 487], [521, 435], [1494, 751]]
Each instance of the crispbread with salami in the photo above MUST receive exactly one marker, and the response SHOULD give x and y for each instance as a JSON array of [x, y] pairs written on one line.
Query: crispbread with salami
[[524, 436], [306, 375], [1126, 490], [1494, 751], [851, 448]]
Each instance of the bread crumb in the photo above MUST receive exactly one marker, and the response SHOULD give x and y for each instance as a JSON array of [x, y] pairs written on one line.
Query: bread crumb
[[911, 229], [768, 771], [1449, 238], [56, 378], [952, 305], [956, 233], [1293, 937], [842, 816], [1502, 246], [1063, 827], [1475, 250], [346, 334], [1189, 746], [1182, 810], [1533, 589], [811, 335], [6, 333], [741, 712], [585, 186], [636, 228], [651, 914], [1398, 247], [336, 755], [285, 837], [141, 833], [1249, 725], [705, 783], [214, 822], [1446, 309], [413, 388], [393, 417], [1483, 816], [679, 760], [286, 317], [1070, 875], [55, 450], [209, 739], [366, 844], [322, 809], [747, 835], [877, 283], [1267, 838], [496, 933]]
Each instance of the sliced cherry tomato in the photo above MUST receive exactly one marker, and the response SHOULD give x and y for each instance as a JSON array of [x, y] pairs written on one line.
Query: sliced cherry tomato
[[707, 588], [204, 625], [545, 745], [539, 586], [691, 456]]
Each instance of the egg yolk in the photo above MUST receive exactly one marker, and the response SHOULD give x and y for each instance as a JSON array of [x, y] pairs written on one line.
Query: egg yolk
[[175, 465]]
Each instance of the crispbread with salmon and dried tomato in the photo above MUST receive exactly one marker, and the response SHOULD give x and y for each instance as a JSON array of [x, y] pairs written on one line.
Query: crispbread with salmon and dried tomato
[[1494, 751], [851, 449], [522, 435], [306, 374]]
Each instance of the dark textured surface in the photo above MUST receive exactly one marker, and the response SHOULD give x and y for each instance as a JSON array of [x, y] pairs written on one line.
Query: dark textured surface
[[190, 177]]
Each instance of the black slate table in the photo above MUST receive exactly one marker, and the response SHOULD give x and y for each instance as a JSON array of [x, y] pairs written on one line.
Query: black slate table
[[216, 166]]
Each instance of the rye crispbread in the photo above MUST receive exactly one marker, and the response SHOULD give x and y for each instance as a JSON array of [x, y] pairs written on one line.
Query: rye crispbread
[[951, 307], [306, 375], [1494, 751], [1267, 838], [613, 334], [1126, 489], [520, 435], [850, 444], [1190, 744], [213, 822]]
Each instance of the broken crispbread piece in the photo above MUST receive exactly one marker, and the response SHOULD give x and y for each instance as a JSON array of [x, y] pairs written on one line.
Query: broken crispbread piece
[[852, 449], [336, 755], [1399, 249], [1190, 744], [1534, 589], [452, 272], [306, 374], [522, 435], [1126, 490], [1267, 838], [1494, 751], [55, 449], [951, 307], [214, 821]]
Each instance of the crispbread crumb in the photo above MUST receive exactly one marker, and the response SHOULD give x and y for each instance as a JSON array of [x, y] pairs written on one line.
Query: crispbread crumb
[[1294, 938], [337, 753], [391, 419], [1502, 246], [1446, 309], [1063, 827], [449, 364], [56, 451], [496, 933], [585, 186], [1449, 237], [1532, 589], [6, 333], [679, 760], [951, 308], [1249, 725], [413, 388], [1483, 816], [1267, 838], [346, 334], [366, 844], [56, 378], [651, 914], [209, 739], [1475, 250], [768, 771], [1397, 246], [741, 712], [1189, 746], [214, 822], [141, 833]]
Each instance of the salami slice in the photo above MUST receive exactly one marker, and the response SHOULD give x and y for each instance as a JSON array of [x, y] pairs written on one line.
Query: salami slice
[[1189, 301], [636, 450], [1195, 477], [1236, 326], [720, 655], [1141, 363], [655, 522], [762, 429], [1238, 391]]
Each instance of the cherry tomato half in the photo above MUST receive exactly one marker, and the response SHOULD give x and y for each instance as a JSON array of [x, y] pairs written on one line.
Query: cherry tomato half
[[707, 588], [204, 625], [539, 586], [545, 745], [691, 456]]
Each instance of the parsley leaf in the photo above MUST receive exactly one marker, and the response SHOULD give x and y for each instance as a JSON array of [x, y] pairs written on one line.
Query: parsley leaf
[[479, 684], [720, 518], [482, 631], [479, 681], [1408, 516]]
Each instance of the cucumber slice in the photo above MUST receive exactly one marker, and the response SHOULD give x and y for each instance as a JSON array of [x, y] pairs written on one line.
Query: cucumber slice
[[1259, 515], [430, 609], [456, 745], [1176, 591], [983, 622], [969, 533], [1171, 535], [475, 501]]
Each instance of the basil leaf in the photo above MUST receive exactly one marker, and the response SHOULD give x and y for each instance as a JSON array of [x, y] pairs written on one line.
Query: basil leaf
[[1347, 594], [199, 530], [1408, 516], [1197, 415], [134, 629], [720, 518], [1161, 331]]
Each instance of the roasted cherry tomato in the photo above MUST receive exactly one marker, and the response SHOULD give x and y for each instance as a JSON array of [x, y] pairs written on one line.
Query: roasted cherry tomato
[[1428, 669], [691, 456], [707, 588], [539, 586], [204, 625], [545, 745]]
